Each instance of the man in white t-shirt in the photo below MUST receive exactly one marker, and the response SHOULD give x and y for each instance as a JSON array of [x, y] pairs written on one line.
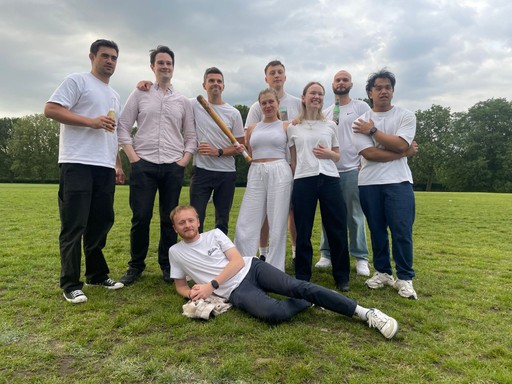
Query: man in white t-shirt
[[214, 162], [89, 168], [348, 167], [384, 137], [289, 108], [215, 265]]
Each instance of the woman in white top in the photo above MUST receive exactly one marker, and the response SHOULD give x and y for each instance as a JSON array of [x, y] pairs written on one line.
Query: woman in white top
[[269, 184], [314, 151]]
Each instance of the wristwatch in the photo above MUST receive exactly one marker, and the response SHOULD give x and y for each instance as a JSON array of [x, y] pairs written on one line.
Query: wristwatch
[[373, 130], [220, 151], [214, 284]]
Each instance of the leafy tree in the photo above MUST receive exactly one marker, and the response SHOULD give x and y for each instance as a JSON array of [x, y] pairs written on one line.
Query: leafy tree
[[33, 148], [6, 127], [242, 166], [482, 148], [244, 111], [433, 128]]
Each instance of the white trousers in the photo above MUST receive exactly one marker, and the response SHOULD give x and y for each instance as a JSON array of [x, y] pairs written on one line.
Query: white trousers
[[268, 193]]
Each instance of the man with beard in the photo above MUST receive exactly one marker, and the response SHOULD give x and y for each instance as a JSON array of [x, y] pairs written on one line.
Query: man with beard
[[348, 168], [216, 266]]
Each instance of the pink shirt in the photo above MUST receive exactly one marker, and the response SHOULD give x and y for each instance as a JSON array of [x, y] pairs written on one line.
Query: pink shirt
[[165, 124]]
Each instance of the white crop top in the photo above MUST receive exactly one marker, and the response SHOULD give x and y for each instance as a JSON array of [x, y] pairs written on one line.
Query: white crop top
[[269, 141]]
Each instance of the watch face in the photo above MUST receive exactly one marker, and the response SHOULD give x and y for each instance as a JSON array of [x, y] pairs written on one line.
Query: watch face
[[214, 284]]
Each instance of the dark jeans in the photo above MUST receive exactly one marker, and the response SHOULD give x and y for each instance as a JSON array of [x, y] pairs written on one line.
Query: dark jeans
[[393, 206], [306, 192], [86, 207], [222, 184], [251, 295], [146, 178]]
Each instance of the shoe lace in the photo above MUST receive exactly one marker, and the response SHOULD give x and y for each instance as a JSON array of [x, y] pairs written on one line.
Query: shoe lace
[[374, 320], [75, 294], [109, 281], [404, 285]]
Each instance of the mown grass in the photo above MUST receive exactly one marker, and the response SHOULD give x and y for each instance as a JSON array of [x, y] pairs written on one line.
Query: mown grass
[[457, 332]]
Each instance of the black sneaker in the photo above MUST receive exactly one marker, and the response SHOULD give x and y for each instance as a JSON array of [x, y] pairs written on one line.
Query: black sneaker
[[166, 275], [108, 283], [75, 297], [343, 286], [263, 258], [130, 277]]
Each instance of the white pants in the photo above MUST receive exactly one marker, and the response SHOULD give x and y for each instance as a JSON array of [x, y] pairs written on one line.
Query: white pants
[[268, 193]]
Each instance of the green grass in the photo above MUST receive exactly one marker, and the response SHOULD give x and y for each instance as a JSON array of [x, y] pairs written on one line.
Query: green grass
[[459, 331]]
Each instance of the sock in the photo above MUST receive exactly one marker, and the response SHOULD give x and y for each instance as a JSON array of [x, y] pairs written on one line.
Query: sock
[[361, 312], [293, 251], [264, 251]]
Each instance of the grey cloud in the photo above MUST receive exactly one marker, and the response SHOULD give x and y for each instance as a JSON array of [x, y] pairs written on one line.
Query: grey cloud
[[435, 47]]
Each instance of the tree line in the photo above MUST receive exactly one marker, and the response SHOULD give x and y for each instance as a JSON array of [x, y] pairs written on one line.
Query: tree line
[[467, 151]]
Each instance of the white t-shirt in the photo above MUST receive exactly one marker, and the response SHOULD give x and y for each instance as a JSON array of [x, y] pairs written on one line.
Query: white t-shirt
[[399, 122], [306, 136], [291, 104], [208, 131], [204, 259], [349, 157], [86, 95]]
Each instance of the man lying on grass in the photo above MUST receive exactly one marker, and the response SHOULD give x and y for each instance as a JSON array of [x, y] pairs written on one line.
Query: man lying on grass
[[216, 266]]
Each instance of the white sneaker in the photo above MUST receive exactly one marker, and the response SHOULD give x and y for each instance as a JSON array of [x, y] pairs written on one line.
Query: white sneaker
[[379, 280], [384, 323], [405, 289], [362, 267], [324, 262]]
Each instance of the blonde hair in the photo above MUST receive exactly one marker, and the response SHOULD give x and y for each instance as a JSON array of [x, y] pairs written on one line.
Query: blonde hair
[[180, 208], [302, 115]]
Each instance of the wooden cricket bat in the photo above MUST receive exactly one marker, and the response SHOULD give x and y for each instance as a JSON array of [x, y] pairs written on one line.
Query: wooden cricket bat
[[222, 125]]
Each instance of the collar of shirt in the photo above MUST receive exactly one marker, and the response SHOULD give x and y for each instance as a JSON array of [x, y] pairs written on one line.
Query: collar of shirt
[[170, 90]]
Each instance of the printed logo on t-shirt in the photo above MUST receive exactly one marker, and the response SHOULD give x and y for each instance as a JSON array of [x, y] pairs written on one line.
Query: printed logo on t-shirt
[[210, 251]]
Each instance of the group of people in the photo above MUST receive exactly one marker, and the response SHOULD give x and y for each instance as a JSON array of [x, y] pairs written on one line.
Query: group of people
[[350, 158]]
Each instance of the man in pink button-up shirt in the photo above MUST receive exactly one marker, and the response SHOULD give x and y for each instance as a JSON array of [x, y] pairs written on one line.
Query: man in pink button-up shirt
[[158, 152]]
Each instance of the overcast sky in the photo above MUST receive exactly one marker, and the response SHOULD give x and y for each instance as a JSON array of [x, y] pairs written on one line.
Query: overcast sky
[[448, 52]]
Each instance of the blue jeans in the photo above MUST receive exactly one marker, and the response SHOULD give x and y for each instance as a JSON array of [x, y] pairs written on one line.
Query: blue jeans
[[86, 207], [146, 178], [251, 295], [393, 206], [306, 192], [355, 218], [222, 184]]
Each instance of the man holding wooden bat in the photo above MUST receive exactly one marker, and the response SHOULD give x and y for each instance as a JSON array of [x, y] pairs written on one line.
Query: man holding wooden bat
[[214, 163]]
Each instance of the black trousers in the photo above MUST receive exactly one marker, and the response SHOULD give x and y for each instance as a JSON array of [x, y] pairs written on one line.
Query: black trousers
[[145, 180], [222, 184], [86, 207], [306, 193]]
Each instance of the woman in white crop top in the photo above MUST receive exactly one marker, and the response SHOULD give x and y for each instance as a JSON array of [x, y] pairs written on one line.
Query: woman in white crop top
[[269, 185], [314, 150]]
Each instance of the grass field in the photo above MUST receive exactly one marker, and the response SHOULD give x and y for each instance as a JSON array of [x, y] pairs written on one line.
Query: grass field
[[459, 331]]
